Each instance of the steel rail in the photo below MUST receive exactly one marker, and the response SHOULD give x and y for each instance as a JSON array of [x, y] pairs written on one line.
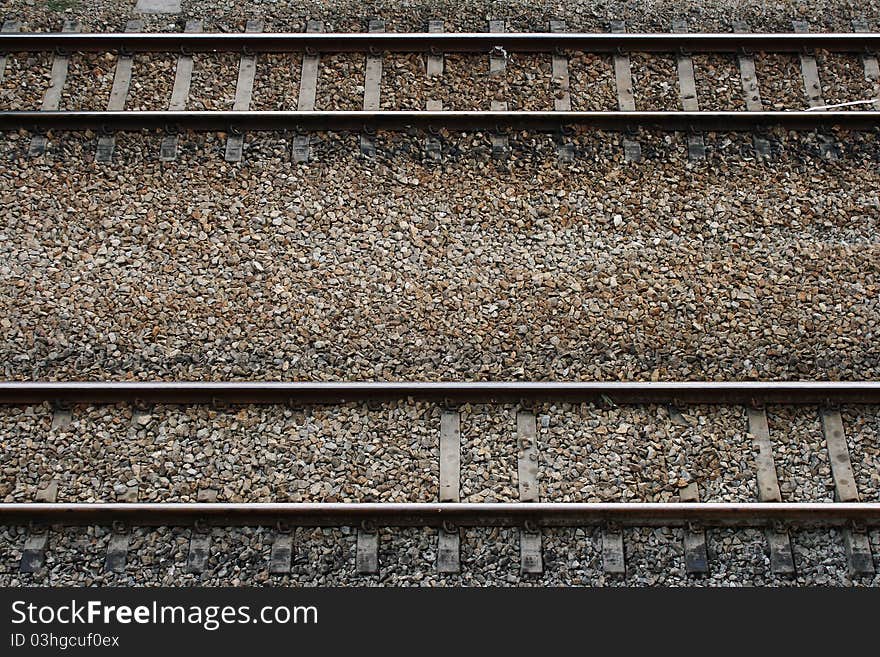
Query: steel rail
[[437, 514], [462, 42], [455, 121], [268, 392]]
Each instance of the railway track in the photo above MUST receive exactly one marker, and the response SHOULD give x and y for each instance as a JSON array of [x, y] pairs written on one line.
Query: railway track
[[497, 45], [531, 514], [445, 506]]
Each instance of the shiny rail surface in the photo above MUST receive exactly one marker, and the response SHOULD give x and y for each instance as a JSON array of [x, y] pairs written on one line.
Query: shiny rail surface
[[269, 392], [434, 42]]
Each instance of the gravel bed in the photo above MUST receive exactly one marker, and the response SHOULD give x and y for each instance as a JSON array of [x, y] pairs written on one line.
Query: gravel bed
[[657, 145], [528, 83], [592, 84], [89, 80], [657, 90], [405, 85], [276, 85], [386, 455], [572, 557], [250, 546], [321, 557], [354, 453], [820, 558], [75, 557], [655, 82], [407, 557], [843, 80], [719, 85], [23, 430], [263, 454], [709, 445], [90, 459], [490, 557], [466, 83], [780, 82], [874, 539], [213, 81], [737, 557], [25, 80], [12, 539], [862, 427], [603, 270], [591, 454], [489, 454], [324, 557], [160, 557], [641, 454], [800, 454], [341, 82], [470, 15], [271, 146], [654, 557], [76, 554], [152, 80], [741, 558]]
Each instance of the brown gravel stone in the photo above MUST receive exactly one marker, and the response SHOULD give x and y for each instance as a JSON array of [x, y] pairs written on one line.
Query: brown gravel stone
[[719, 86], [89, 80], [780, 82], [843, 80], [341, 82], [655, 82], [736, 270], [466, 83], [25, 81], [213, 81], [276, 85], [152, 80], [404, 82], [459, 15], [592, 83], [528, 83]]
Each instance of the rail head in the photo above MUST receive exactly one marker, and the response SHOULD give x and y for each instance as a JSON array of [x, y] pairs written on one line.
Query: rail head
[[638, 514], [270, 392], [448, 42]]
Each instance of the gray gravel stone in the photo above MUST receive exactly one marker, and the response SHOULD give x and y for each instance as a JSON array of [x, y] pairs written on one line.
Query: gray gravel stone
[[347, 454], [862, 428], [800, 454], [325, 557], [488, 454]]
